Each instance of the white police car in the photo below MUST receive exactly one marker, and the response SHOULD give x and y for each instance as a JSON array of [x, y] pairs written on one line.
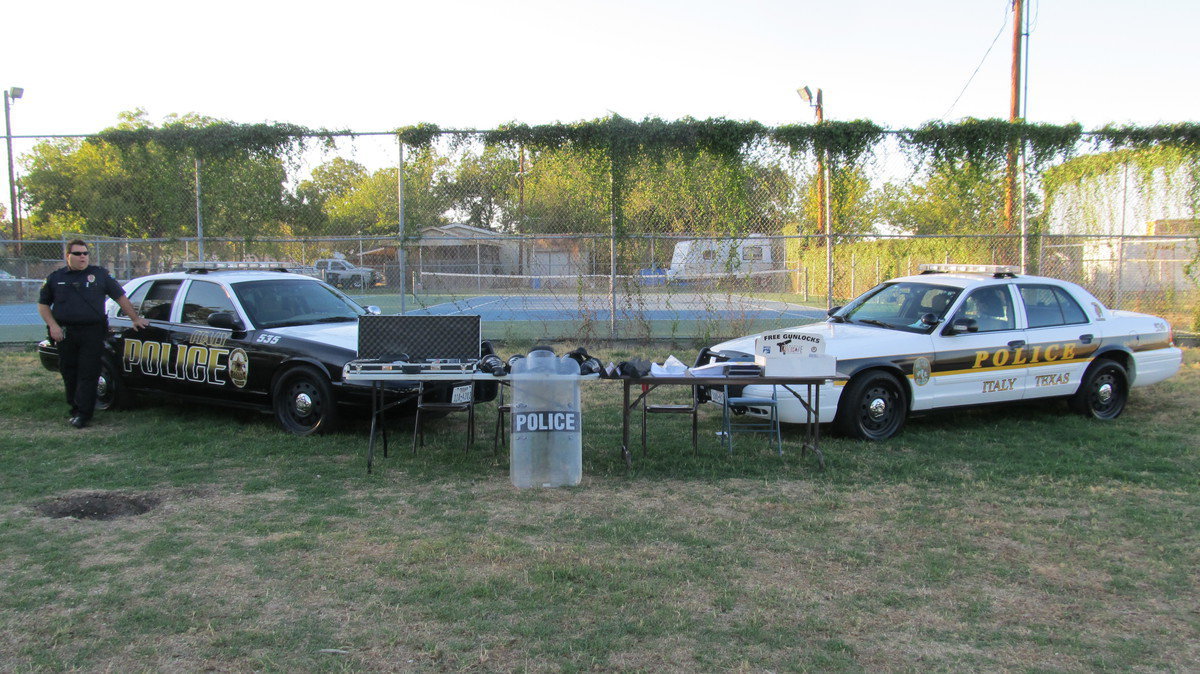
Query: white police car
[[239, 335], [960, 335]]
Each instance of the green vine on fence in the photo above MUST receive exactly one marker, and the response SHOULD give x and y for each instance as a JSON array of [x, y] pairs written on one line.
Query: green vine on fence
[[1184, 135], [419, 135], [985, 143], [1144, 159], [215, 140], [652, 137], [844, 142]]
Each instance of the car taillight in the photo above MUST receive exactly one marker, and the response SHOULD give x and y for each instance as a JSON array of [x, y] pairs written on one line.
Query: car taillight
[[1170, 335]]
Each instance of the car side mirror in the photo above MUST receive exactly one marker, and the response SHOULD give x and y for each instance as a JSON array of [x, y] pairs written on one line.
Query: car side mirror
[[833, 310], [961, 325], [930, 320], [374, 310], [225, 320]]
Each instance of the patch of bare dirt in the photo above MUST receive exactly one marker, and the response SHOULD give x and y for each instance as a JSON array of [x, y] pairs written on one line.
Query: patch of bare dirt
[[99, 505]]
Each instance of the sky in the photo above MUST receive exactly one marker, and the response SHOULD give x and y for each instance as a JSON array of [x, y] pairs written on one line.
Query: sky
[[463, 64]]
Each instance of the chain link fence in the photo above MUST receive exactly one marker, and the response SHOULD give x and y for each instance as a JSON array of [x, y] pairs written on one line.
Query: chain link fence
[[552, 244]]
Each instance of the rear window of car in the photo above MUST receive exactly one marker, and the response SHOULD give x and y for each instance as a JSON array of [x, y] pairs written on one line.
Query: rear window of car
[[205, 298], [154, 300], [135, 298], [1047, 306]]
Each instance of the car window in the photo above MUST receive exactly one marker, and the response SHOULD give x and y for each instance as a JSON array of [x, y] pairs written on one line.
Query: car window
[[276, 303], [1047, 306], [203, 299], [901, 306], [135, 298], [990, 308], [158, 301]]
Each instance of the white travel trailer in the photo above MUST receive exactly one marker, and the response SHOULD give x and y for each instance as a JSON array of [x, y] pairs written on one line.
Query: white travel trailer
[[698, 259]]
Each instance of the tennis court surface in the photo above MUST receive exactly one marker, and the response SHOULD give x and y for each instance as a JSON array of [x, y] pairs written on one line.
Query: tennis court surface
[[649, 307]]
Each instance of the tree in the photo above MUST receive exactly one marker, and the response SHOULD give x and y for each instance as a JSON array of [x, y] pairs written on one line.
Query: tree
[[369, 203], [954, 199], [147, 190], [690, 194], [566, 192], [484, 189], [850, 208], [331, 180]]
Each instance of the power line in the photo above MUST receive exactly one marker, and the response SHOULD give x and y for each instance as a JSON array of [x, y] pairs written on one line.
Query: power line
[[1003, 25]]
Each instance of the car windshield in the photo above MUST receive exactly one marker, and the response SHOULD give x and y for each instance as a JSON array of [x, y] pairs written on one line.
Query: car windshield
[[900, 306], [277, 303]]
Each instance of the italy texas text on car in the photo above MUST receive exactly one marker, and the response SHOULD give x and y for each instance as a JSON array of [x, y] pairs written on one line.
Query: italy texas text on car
[[962, 335], [260, 339]]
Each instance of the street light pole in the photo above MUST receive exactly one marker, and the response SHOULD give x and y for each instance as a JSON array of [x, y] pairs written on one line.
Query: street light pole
[[10, 95], [817, 103]]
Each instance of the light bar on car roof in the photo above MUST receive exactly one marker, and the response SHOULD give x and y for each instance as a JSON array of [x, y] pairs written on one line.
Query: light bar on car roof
[[214, 265], [993, 269]]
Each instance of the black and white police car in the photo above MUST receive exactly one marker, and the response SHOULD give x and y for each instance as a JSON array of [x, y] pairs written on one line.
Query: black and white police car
[[252, 336], [964, 335]]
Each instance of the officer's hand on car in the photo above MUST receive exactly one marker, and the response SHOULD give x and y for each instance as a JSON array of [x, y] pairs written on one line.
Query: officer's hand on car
[[140, 322]]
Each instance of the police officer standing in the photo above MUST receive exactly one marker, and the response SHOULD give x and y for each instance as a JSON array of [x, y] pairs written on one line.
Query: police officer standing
[[72, 305]]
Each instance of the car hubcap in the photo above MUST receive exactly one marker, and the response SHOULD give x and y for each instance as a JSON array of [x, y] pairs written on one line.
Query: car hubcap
[[304, 404], [877, 408], [102, 388], [1104, 394]]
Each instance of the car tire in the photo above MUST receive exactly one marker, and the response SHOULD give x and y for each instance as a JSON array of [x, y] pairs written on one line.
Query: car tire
[[1104, 391], [111, 392], [873, 407], [304, 403]]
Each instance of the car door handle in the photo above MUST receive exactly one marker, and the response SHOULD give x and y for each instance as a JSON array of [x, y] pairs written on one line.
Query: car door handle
[[1086, 339], [1016, 344]]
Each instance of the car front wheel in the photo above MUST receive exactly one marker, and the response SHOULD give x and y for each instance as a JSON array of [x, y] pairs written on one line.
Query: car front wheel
[[111, 392], [1104, 391], [304, 403], [872, 407]]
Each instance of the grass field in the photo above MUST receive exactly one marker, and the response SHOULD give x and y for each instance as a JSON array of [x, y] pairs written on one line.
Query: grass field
[[1018, 538]]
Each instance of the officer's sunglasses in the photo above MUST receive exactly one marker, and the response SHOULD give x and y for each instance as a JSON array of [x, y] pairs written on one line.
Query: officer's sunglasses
[[79, 252]]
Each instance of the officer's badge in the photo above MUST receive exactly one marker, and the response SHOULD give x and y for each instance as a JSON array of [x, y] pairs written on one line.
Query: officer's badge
[[239, 368], [921, 371]]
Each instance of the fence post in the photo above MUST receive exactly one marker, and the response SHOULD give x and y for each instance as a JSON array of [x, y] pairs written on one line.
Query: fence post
[[1118, 295], [199, 219], [400, 252], [615, 185]]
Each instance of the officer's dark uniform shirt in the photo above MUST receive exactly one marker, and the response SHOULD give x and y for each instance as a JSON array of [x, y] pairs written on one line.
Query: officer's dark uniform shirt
[[77, 297]]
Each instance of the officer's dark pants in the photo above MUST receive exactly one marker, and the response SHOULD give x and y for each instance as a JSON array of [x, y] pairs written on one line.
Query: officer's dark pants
[[79, 362]]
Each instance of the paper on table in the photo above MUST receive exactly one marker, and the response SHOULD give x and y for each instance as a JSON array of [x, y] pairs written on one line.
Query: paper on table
[[670, 366], [710, 369]]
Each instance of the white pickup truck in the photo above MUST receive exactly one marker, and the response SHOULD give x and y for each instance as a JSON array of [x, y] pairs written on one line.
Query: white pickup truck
[[344, 274]]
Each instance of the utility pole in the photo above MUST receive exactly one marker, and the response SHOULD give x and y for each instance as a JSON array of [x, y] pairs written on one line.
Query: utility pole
[[10, 95], [818, 105], [1014, 115]]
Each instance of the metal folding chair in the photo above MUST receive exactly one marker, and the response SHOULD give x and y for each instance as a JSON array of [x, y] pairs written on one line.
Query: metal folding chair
[[647, 409], [503, 409], [442, 409], [736, 417]]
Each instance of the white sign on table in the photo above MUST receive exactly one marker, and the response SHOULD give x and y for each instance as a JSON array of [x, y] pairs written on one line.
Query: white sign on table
[[793, 353]]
